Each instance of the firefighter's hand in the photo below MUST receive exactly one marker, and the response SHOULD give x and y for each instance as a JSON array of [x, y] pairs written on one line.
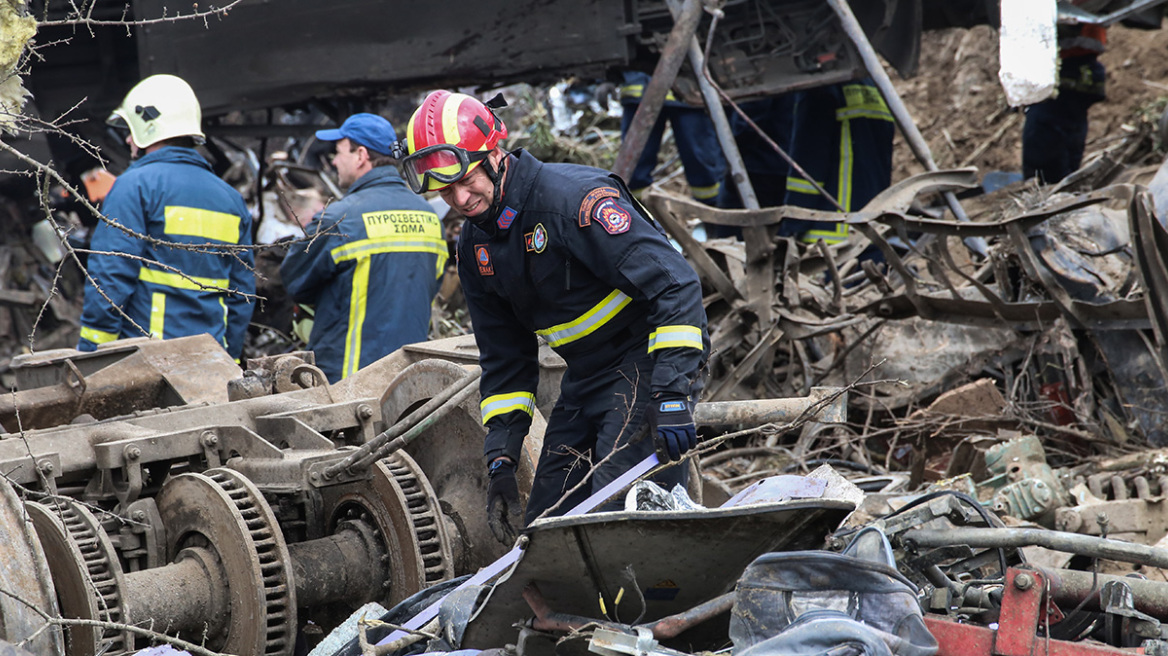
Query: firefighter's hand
[[674, 432], [503, 511]]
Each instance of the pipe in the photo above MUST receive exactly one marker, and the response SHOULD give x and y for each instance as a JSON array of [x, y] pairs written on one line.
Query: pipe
[[908, 127], [675, 625], [773, 411], [548, 620], [422, 426], [1070, 587], [684, 27], [667, 627], [437, 406], [1084, 545]]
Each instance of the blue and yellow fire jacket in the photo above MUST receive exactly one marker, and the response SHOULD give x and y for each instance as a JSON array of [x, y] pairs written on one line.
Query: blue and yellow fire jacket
[[148, 287], [371, 266], [571, 258]]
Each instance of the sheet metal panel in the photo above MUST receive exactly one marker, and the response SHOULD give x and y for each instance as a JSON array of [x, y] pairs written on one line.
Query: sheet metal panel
[[266, 53]]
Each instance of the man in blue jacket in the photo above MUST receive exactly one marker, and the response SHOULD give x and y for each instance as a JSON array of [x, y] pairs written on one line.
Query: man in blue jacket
[[172, 257], [563, 252], [372, 261]]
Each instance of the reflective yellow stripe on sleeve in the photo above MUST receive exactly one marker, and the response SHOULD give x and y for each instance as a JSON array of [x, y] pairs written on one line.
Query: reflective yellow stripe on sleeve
[[587, 323], [207, 224], [179, 281], [157, 314], [501, 404], [97, 336], [676, 337], [358, 299]]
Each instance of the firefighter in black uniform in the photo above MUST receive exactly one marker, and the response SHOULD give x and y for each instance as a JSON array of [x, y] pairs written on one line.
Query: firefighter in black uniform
[[562, 251]]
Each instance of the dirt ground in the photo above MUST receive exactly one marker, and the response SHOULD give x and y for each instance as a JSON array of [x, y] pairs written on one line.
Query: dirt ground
[[960, 108]]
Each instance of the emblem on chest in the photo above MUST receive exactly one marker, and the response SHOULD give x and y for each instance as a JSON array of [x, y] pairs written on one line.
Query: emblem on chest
[[536, 240]]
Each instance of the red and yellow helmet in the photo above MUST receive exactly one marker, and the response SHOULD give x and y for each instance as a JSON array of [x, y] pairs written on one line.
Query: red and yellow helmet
[[447, 137]]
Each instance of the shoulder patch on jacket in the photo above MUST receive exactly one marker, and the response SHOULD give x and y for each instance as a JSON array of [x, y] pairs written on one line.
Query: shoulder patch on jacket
[[612, 217], [590, 201]]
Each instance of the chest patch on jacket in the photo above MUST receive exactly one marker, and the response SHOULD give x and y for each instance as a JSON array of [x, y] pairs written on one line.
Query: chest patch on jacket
[[536, 240], [584, 217], [505, 218], [612, 217], [483, 258]]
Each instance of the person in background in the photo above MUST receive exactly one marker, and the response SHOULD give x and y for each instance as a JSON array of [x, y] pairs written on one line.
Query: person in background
[[693, 134], [372, 261], [166, 261], [842, 137], [1055, 132]]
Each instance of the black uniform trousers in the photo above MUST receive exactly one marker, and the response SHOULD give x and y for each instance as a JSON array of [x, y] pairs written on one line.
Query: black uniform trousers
[[597, 432]]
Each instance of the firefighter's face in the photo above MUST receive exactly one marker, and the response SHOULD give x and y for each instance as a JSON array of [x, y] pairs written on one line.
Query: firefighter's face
[[347, 160], [474, 193]]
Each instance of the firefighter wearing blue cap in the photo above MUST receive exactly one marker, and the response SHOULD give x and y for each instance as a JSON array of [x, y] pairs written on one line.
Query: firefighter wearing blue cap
[[371, 262], [171, 257]]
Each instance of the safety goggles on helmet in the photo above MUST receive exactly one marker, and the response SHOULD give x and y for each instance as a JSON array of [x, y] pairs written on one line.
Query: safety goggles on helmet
[[438, 166]]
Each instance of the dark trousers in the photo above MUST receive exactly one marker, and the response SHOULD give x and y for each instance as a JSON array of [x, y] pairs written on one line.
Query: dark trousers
[[599, 418], [1055, 132], [697, 146]]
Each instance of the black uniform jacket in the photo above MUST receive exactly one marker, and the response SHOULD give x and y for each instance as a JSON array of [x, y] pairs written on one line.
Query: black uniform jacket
[[571, 258]]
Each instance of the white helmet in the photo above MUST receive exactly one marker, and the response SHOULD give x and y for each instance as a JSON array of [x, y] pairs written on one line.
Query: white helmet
[[157, 108]]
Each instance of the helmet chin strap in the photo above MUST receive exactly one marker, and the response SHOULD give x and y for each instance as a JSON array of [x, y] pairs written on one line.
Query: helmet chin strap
[[486, 220]]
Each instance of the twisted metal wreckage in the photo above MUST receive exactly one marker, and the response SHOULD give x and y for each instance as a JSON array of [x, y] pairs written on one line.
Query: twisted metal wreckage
[[150, 489]]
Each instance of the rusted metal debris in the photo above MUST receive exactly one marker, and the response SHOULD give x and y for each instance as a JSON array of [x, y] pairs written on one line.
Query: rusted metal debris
[[1072, 277]]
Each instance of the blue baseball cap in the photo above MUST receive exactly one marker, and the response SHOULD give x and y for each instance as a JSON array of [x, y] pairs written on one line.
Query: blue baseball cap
[[369, 130]]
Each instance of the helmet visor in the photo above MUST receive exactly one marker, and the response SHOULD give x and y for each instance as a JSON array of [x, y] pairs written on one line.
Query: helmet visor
[[435, 167]]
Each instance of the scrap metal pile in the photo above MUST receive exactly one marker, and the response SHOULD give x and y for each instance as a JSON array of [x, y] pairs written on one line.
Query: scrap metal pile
[[1051, 296]]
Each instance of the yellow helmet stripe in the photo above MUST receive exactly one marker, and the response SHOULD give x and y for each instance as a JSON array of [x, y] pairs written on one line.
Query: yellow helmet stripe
[[450, 118], [410, 132]]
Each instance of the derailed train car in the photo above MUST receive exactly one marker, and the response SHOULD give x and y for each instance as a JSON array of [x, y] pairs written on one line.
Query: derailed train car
[[353, 53]]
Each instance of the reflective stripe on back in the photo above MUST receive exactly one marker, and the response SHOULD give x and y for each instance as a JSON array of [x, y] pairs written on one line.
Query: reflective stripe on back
[[396, 244], [179, 281], [207, 224]]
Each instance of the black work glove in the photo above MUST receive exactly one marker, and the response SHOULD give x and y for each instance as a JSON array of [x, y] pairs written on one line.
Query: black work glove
[[672, 423], [503, 511]]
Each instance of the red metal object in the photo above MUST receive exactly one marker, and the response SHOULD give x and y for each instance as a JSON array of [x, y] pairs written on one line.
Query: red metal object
[[1024, 608]]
